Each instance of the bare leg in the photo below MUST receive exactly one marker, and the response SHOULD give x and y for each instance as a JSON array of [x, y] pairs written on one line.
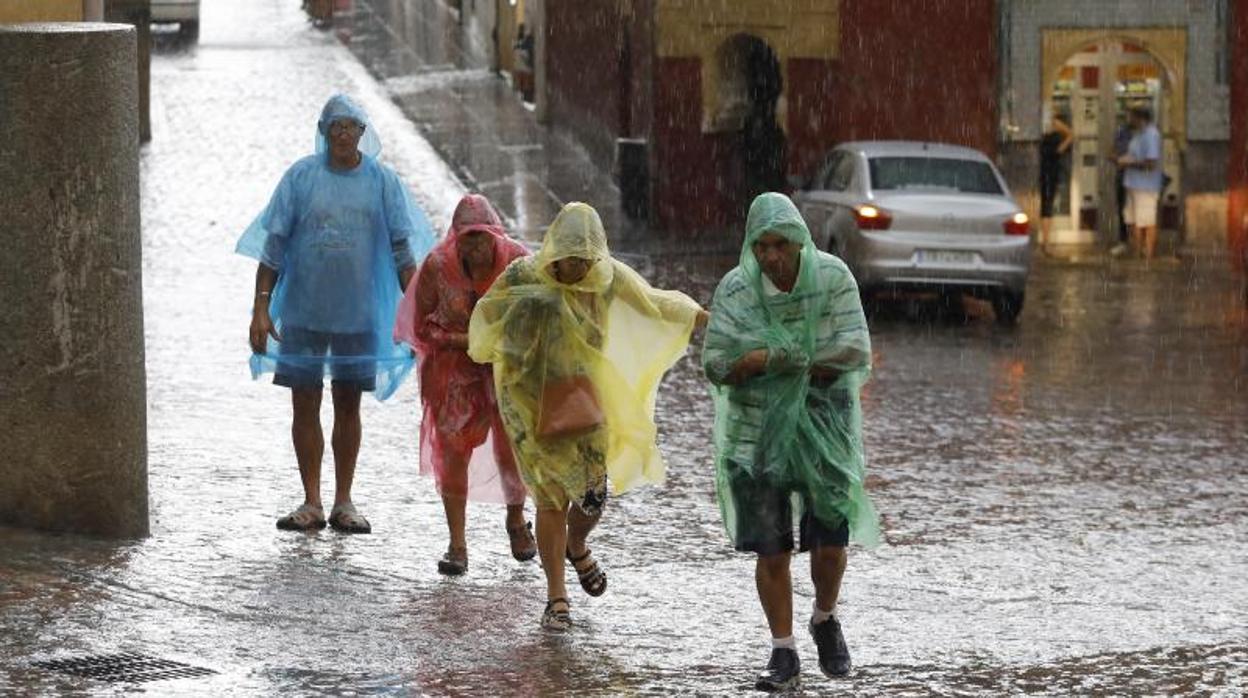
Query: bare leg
[[309, 441], [579, 526], [552, 541], [827, 567], [1150, 241], [775, 592], [515, 515], [456, 517], [347, 434], [1134, 232]]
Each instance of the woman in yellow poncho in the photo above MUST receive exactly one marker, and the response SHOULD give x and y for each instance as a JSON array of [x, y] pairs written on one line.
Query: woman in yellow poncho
[[579, 343]]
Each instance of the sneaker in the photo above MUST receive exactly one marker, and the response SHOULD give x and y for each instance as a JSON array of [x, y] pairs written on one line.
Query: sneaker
[[1119, 250], [783, 671], [833, 652]]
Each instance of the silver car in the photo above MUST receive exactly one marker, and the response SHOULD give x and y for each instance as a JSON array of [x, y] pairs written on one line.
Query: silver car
[[909, 215]]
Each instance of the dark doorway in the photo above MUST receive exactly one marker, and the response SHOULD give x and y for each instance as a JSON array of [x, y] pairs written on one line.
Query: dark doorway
[[754, 67]]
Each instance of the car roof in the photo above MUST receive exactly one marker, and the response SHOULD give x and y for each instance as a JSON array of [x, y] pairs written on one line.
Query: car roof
[[920, 148]]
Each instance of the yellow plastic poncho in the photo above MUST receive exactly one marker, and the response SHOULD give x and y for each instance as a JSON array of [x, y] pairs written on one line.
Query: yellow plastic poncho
[[612, 327]]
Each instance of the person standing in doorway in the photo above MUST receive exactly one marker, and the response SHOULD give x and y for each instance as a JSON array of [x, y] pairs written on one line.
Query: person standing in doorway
[[787, 352], [337, 245], [1122, 140], [1053, 148], [1143, 179]]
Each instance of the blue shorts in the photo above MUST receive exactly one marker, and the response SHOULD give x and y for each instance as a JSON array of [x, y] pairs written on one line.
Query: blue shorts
[[350, 359]]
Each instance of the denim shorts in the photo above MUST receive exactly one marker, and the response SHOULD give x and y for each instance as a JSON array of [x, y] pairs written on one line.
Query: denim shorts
[[310, 350]]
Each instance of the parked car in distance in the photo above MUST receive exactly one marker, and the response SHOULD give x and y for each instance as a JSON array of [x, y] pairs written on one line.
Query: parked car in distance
[[921, 216], [185, 13]]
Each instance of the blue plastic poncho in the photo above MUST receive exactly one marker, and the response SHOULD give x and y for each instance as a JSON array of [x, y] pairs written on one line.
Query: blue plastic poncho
[[783, 431], [338, 240]]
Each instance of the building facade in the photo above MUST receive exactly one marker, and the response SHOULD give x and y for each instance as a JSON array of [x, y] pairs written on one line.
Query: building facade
[[723, 95], [1090, 62]]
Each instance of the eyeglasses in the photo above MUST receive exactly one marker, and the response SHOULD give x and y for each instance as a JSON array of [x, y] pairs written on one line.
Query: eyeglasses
[[349, 128]]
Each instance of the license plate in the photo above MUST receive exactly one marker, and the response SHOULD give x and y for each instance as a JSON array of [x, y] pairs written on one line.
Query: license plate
[[946, 257]]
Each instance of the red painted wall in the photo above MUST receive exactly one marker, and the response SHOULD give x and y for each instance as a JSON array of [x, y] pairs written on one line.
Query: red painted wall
[[1237, 176], [927, 73], [585, 76], [696, 177]]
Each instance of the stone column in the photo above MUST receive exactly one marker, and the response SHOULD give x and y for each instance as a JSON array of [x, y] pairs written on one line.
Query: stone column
[[73, 441]]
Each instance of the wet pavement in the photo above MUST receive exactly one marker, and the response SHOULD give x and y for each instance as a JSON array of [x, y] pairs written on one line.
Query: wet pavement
[[1065, 503]]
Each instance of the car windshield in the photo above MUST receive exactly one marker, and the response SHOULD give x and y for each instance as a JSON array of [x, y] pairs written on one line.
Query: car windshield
[[898, 173]]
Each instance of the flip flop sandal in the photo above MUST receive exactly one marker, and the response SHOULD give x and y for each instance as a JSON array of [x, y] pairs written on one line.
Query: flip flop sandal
[[346, 519], [305, 518], [557, 621], [454, 562], [523, 545], [593, 578]]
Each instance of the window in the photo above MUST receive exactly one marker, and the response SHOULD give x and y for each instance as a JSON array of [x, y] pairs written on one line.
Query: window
[[969, 176], [824, 180], [842, 174]]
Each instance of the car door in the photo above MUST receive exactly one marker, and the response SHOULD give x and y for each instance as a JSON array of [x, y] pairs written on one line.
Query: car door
[[817, 202]]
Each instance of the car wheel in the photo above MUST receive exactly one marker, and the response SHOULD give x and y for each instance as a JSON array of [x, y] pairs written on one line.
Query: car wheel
[[189, 30], [1007, 305]]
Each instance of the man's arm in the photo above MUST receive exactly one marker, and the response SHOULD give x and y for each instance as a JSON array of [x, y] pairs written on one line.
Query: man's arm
[[261, 323]]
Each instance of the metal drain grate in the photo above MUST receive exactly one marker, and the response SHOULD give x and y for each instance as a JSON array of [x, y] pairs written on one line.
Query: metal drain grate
[[130, 667]]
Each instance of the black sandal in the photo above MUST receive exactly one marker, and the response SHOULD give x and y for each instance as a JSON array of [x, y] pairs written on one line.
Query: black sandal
[[454, 562], [557, 621], [593, 579], [523, 545]]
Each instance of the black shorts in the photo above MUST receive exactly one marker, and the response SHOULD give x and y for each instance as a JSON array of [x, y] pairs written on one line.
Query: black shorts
[[765, 521], [305, 352]]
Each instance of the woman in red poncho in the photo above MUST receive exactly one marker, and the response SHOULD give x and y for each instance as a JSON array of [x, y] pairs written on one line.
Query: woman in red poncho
[[462, 442]]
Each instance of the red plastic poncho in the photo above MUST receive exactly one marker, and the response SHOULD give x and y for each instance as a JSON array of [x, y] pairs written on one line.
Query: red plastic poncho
[[462, 442]]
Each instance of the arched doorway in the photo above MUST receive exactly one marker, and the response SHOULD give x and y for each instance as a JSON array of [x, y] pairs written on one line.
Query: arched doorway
[[750, 89], [1094, 90]]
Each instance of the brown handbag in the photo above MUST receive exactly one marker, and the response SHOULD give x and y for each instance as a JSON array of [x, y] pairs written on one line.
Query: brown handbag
[[569, 407]]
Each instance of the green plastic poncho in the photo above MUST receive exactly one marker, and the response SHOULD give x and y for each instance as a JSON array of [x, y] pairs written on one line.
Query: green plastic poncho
[[611, 327], [782, 430]]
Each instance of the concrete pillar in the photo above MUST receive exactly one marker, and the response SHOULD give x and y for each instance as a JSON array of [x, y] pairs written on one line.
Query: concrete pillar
[[73, 441]]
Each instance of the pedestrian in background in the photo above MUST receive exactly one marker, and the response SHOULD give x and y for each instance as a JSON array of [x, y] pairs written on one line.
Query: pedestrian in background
[[1122, 140], [1053, 148], [1143, 180], [337, 244], [579, 343], [787, 352], [462, 441]]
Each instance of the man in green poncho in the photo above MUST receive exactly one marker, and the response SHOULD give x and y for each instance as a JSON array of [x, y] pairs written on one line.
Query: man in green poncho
[[787, 350]]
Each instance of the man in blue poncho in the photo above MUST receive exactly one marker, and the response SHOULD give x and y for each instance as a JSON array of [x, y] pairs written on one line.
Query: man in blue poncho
[[787, 351], [337, 245]]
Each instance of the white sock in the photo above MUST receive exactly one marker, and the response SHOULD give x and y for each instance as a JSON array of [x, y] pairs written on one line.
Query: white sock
[[818, 616], [787, 643]]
